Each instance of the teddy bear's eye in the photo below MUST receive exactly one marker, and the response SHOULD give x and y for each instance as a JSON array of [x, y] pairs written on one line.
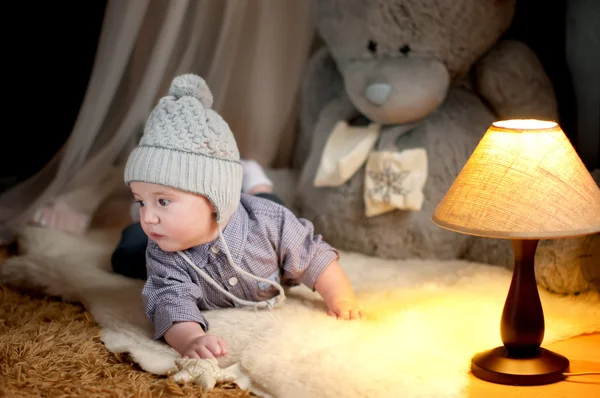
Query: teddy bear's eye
[[372, 46], [405, 49]]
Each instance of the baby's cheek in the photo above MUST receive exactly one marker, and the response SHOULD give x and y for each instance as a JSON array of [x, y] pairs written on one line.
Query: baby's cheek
[[186, 230], [179, 231]]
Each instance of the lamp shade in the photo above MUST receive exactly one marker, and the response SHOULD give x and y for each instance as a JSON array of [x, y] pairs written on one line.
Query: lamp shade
[[524, 180]]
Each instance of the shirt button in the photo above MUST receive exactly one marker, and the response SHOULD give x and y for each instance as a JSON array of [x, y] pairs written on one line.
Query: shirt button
[[233, 281], [214, 249]]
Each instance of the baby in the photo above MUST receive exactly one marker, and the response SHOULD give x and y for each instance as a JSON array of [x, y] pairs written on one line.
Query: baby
[[210, 245]]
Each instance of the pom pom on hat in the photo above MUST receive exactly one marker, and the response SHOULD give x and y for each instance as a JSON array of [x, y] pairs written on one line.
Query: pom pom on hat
[[193, 86]]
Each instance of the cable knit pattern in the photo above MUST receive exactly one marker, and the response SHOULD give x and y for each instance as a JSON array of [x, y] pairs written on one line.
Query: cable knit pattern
[[188, 146], [184, 123]]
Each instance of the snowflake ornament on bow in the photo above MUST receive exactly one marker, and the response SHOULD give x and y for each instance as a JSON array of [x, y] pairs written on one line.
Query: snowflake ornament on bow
[[387, 182], [395, 180]]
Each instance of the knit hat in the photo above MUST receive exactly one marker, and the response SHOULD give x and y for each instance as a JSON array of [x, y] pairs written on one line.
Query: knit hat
[[188, 146]]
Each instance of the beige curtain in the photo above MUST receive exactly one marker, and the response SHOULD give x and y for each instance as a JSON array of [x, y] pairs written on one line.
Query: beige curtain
[[251, 52]]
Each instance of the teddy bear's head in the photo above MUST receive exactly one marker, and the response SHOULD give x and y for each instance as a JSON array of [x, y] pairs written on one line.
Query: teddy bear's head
[[399, 57]]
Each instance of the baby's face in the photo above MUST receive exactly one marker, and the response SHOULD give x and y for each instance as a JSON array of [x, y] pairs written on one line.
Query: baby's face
[[174, 219]]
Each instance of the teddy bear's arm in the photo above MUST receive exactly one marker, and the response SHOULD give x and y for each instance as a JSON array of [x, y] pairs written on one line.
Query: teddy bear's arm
[[321, 84], [512, 80]]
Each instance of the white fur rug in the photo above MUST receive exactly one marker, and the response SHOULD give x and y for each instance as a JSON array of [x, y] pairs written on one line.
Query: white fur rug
[[426, 320]]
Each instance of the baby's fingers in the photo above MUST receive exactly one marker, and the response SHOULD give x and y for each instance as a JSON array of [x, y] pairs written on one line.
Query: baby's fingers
[[355, 314], [344, 314], [223, 346], [215, 348], [192, 355], [205, 352]]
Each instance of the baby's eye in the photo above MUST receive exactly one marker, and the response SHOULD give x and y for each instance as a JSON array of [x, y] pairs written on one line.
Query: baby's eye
[[163, 202], [140, 202]]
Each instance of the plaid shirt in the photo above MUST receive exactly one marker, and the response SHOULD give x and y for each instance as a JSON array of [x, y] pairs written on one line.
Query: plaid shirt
[[264, 238]]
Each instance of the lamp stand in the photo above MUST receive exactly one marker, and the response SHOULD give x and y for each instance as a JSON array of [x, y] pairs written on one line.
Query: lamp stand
[[521, 361]]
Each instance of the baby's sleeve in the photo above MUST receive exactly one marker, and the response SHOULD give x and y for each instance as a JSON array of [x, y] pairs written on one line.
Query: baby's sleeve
[[302, 254], [169, 294]]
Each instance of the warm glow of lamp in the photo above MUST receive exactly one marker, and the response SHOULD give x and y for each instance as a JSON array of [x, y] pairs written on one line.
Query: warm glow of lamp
[[523, 182]]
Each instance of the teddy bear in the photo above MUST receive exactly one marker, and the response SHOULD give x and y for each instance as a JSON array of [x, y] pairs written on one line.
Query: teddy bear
[[569, 266], [400, 94]]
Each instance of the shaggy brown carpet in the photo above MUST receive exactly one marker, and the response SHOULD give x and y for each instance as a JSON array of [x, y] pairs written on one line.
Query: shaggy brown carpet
[[50, 348]]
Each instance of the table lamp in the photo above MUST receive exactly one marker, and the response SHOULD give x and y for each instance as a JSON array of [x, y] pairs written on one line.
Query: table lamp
[[523, 182]]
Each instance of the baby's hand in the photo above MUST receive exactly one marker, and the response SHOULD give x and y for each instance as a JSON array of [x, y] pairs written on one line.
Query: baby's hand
[[206, 346], [345, 309]]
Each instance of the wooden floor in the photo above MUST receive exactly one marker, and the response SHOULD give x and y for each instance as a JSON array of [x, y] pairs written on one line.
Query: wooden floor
[[583, 353]]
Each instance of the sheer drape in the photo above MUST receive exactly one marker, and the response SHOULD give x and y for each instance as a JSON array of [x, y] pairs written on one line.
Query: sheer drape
[[252, 54]]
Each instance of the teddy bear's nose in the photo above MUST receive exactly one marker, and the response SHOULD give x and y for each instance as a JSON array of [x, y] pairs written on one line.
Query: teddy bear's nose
[[378, 93]]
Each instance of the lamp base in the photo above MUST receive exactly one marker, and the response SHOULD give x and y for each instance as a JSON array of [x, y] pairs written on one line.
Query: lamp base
[[497, 366]]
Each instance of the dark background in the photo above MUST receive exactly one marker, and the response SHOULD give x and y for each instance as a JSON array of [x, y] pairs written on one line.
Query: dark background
[[50, 51]]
